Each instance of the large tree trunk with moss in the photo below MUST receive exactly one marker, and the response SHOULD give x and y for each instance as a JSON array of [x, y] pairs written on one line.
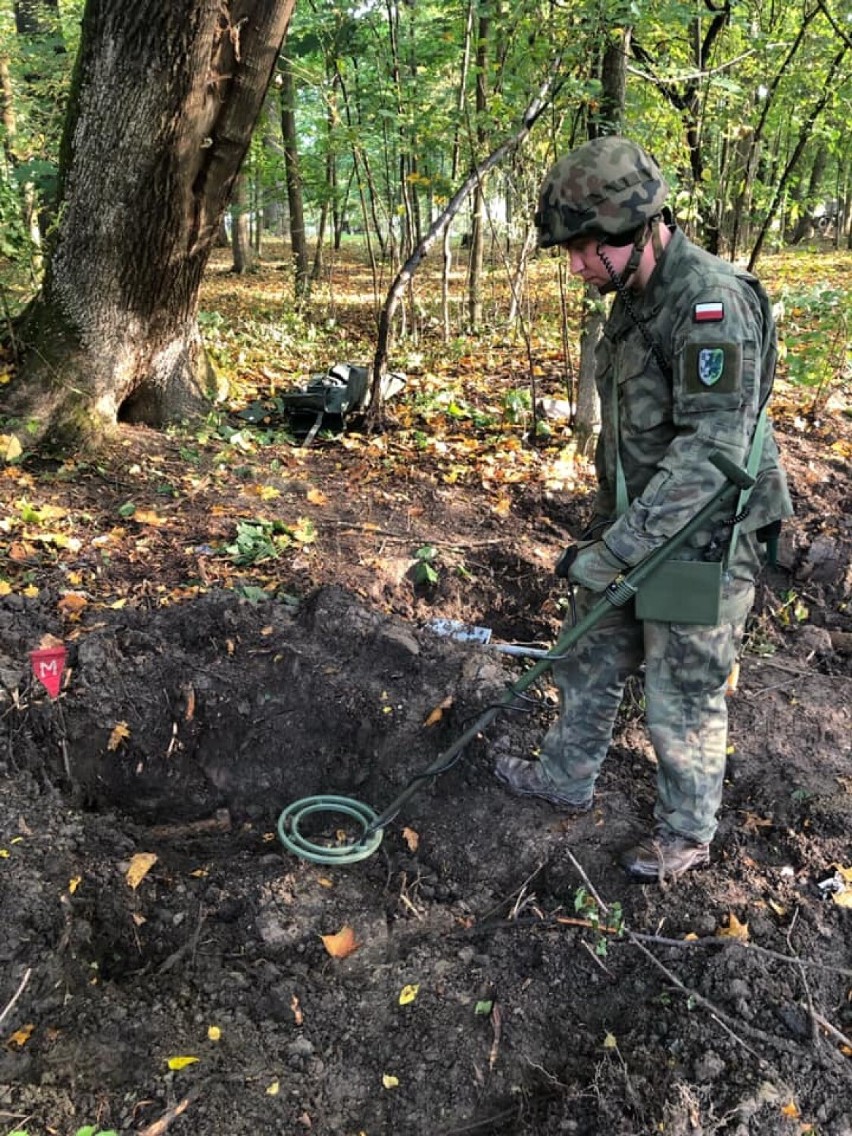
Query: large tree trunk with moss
[[160, 117]]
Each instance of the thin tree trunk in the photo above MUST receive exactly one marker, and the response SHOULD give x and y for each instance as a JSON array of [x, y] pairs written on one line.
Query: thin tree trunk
[[477, 235], [531, 115], [804, 136], [298, 244], [587, 414], [241, 247]]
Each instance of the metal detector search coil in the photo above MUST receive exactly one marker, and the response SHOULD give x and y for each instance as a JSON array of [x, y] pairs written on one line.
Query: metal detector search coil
[[291, 836]]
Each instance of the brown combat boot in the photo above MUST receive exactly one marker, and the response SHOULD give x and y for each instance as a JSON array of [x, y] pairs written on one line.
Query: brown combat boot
[[664, 856], [528, 779]]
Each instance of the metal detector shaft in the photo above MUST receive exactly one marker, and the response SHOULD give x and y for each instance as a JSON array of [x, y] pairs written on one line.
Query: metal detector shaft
[[620, 591]]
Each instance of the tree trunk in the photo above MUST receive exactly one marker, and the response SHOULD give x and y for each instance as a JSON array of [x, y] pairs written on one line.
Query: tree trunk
[[587, 413], [298, 244], [477, 236], [241, 246], [159, 120]]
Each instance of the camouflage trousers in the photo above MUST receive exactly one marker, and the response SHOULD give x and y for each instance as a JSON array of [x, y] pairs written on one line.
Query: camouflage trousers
[[686, 672]]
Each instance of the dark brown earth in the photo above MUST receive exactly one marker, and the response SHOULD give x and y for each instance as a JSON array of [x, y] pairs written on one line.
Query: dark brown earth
[[526, 1019]]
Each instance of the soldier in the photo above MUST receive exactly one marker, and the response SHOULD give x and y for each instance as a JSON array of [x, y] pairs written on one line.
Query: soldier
[[685, 367]]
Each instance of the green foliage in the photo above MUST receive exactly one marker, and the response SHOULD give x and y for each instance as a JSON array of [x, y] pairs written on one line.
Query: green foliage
[[425, 571], [86, 1130], [257, 541], [586, 906], [818, 334]]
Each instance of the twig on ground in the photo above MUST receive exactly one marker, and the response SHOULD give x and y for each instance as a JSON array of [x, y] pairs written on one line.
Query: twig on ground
[[158, 1127], [513, 895], [833, 1031], [599, 961], [718, 941], [10, 1005]]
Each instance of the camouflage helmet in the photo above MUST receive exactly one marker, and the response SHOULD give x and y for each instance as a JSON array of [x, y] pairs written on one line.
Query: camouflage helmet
[[607, 188]]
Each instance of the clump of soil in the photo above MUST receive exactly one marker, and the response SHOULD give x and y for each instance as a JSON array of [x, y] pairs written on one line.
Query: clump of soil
[[544, 993]]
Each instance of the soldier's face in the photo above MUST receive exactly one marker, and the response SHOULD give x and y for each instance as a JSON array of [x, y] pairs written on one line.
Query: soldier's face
[[584, 260]]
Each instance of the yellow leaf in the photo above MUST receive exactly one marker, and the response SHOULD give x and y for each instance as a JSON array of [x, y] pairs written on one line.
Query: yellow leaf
[[690, 938], [341, 944], [411, 839], [120, 731], [846, 873], [4, 853], [74, 883], [408, 993], [437, 714], [791, 1110], [148, 517], [22, 1036], [610, 1042], [12, 447], [273, 1089], [117, 605], [140, 865], [180, 1062], [214, 1033], [325, 882], [317, 497], [5, 588], [734, 929], [31, 592], [390, 1082]]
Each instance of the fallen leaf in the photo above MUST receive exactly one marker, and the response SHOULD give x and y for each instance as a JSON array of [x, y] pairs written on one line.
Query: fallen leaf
[[610, 1042], [5, 588], [140, 865], [340, 944], [148, 517], [180, 1062], [734, 929], [273, 1089], [120, 731], [325, 882], [389, 1081], [72, 603], [690, 938], [791, 1110], [74, 883], [317, 497], [437, 714], [11, 447], [411, 839], [408, 993], [753, 823], [214, 1033], [22, 1036]]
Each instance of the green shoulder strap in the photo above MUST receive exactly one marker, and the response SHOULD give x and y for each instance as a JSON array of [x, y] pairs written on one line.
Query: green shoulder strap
[[755, 454]]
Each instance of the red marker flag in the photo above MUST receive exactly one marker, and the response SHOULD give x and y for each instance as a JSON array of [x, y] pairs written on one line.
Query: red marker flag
[[48, 664]]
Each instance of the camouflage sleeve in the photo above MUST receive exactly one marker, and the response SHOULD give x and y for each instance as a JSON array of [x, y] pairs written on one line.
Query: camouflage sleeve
[[716, 342]]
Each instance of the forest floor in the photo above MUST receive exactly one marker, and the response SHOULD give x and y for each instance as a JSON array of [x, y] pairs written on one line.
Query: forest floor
[[169, 966]]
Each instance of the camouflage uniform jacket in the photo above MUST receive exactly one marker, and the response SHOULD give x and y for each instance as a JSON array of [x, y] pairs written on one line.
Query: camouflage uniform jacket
[[713, 326]]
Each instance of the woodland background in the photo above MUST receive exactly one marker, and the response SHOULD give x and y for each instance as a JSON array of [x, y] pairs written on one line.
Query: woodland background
[[193, 220]]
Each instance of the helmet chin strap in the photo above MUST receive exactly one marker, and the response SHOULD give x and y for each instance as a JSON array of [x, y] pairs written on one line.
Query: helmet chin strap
[[651, 232]]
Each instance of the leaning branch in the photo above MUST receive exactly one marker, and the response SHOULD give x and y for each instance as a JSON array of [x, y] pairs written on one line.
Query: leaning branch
[[537, 106]]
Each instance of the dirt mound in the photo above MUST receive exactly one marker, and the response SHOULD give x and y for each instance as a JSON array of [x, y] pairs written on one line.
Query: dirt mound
[[506, 979]]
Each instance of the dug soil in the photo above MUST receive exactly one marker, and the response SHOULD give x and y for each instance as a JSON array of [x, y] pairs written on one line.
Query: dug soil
[[506, 977]]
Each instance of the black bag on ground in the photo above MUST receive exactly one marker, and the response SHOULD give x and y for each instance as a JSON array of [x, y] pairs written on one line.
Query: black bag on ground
[[330, 401]]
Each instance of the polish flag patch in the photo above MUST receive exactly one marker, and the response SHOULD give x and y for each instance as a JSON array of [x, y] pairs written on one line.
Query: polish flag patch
[[713, 311]]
